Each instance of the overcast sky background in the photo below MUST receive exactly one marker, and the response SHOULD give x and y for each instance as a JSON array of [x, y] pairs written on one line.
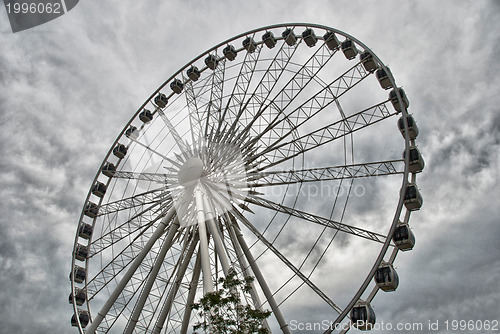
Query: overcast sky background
[[69, 86]]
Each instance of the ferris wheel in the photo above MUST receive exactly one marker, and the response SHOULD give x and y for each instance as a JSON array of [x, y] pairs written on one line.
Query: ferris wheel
[[286, 154]]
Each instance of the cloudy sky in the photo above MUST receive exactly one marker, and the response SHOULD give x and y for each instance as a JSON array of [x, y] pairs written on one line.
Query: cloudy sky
[[69, 86]]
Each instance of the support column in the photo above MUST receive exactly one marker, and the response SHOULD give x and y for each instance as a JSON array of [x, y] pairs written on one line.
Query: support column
[[208, 284], [262, 282], [193, 286], [244, 267], [219, 247]]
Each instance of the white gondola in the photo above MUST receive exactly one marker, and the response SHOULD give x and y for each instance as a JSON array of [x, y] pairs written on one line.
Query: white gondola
[[412, 127], [386, 277], [120, 151], [309, 37], [161, 100], [91, 210], [230, 52], [81, 252], [383, 78], [132, 132], [146, 116], [176, 86], [99, 189], [79, 298], [249, 44], [85, 231], [393, 96], [349, 49], [211, 61], [412, 198], [269, 39], [78, 274], [403, 237], [368, 61], [331, 40], [83, 318], [362, 316], [193, 73], [289, 37], [417, 163], [108, 169]]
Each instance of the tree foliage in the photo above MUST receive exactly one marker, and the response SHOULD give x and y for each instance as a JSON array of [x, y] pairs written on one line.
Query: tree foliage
[[223, 311]]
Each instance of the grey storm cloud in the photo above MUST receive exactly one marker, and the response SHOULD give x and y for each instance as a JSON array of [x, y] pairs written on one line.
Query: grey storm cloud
[[69, 86]]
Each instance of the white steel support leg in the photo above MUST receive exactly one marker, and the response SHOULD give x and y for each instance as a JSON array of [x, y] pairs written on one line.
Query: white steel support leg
[[139, 306], [244, 266], [175, 287], [262, 282], [130, 272], [214, 231], [208, 284], [193, 286]]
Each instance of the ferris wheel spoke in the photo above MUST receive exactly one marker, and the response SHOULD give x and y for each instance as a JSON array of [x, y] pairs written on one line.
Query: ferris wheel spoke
[[132, 268], [195, 121], [214, 106], [149, 197], [147, 147], [240, 88], [280, 256], [277, 178], [321, 100], [177, 138], [113, 268], [291, 90], [373, 236], [135, 223], [265, 86], [161, 178], [326, 134]]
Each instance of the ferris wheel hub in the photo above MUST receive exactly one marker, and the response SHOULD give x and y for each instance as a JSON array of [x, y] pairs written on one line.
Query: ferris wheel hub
[[191, 171]]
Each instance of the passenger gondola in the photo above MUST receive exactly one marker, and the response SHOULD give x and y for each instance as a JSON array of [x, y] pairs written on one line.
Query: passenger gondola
[[211, 61], [289, 37], [193, 73], [176, 86], [417, 163], [120, 151], [269, 39], [368, 61], [386, 277], [161, 100], [229, 52], [412, 127], [146, 116], [108, 169], [349, 49], [395, 101], [383, 78], [403, 237], [91, 210], [331, 40], [83, 318], [85, 231], [362, 316], [249, 44], [412, 198], [309, 37]]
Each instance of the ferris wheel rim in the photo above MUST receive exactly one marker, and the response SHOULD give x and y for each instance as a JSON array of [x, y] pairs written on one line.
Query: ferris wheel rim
[[253, 31]]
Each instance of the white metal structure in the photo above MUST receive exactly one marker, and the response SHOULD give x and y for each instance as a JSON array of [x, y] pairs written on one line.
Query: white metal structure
[[276, 153]]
